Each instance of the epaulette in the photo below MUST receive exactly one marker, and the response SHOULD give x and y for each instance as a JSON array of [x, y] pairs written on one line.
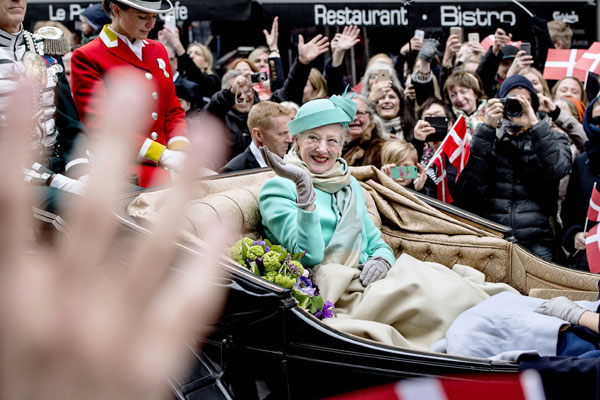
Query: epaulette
[[55, 41]]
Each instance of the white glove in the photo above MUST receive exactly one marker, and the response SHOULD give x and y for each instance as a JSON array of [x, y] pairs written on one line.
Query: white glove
[[304, 186], [375, 268], [65, 184], [563, 308], [172, 159]]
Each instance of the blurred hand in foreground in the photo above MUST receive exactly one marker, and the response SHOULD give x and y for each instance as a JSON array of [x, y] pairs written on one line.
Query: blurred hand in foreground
[[76, 324]]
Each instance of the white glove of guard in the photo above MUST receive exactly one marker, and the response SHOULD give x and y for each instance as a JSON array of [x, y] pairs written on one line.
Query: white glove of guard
[[65, 184], [375, 268], [172, 159]]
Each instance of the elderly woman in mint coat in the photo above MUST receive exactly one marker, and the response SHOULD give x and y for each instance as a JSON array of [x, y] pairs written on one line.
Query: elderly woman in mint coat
[[314, 205]]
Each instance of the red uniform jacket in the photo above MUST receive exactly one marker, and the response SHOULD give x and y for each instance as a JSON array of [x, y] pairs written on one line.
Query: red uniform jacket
[[90, 63]]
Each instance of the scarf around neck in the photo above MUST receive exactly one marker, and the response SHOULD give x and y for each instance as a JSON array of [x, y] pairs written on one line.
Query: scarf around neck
[[345, 245]]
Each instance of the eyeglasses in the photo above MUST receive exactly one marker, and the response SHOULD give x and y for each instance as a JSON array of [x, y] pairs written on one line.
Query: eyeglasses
[[363, 113], [244, 97], [330, 143]]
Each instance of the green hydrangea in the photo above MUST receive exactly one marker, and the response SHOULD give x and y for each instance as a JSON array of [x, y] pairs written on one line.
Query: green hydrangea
[[298, 266], [285, 281], [271, 261], [235, 253], [270, 276], [254, 252]]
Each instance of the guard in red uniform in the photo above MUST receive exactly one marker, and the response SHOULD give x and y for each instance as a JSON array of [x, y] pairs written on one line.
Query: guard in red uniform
[[124, 43]]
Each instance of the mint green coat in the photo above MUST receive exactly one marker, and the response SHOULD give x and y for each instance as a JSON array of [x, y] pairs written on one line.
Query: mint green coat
[[299, 230]]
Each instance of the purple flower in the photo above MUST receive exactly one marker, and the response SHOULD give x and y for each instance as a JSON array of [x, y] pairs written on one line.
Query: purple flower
[[326, 312], [305, 281], [259, 243], [328, 309], [309, 291]]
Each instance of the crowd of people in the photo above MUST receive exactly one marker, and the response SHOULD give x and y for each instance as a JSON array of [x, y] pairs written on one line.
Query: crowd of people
[[520, 167], [532, 169]]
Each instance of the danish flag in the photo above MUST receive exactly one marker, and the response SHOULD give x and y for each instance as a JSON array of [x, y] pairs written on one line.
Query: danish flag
[[592, 249], [560, 63], [589, 61], [526, 385], [456, 147], [593, 213]]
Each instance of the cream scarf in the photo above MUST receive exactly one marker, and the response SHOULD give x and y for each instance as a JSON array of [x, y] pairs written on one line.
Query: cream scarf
[[345, 244]]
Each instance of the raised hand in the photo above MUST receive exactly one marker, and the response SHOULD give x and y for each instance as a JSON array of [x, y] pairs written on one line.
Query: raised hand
[[304, 187], [521, 61], [379, 90], [452, 47], [81, 319], [423, 129], [344, 42], [167, 36], [414, 44], [273, 36], [307, 52], [349, 38], [500, 39]]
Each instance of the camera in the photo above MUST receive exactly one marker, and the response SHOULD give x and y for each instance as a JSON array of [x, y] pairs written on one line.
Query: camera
[[259, 77], [512, 107]]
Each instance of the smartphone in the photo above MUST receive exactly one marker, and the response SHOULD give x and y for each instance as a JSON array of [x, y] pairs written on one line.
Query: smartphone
[[383, 75], [258, 77], [473, 37], [420, 34], [405, 172], [526, 47], [441, 128], [458, 31], [170, 22]]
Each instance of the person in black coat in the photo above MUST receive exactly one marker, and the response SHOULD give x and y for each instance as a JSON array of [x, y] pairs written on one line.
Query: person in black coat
[[586, 173], [515, 166], [267, 122]]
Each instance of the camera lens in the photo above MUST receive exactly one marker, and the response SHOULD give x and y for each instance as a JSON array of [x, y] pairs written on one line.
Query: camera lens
[[512, 108]]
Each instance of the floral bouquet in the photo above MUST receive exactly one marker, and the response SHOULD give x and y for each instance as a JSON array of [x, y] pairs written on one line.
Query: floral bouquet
[[275, 264]]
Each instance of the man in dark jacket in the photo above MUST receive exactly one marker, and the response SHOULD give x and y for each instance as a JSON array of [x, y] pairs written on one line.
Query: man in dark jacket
[[267, 122], [515, 166]]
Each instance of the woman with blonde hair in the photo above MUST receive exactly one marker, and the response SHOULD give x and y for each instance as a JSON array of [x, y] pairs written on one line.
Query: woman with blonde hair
[[570, 86], [243, 64], [260, 57], [398, 153], [537, 80], [316, 86]]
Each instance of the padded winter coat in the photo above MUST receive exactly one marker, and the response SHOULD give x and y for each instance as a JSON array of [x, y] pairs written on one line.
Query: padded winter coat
[[514, 180]]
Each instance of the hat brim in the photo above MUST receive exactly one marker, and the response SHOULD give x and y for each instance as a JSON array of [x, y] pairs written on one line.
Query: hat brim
[[165, 6]]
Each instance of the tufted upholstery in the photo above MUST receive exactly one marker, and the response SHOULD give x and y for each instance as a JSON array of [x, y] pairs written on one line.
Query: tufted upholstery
[[407, 224]]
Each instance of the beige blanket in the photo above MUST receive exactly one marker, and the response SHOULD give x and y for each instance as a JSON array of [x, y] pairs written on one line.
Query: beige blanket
[[412, 307]]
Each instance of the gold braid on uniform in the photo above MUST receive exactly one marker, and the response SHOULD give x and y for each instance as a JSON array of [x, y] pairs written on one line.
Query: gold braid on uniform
[[55, 41]]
